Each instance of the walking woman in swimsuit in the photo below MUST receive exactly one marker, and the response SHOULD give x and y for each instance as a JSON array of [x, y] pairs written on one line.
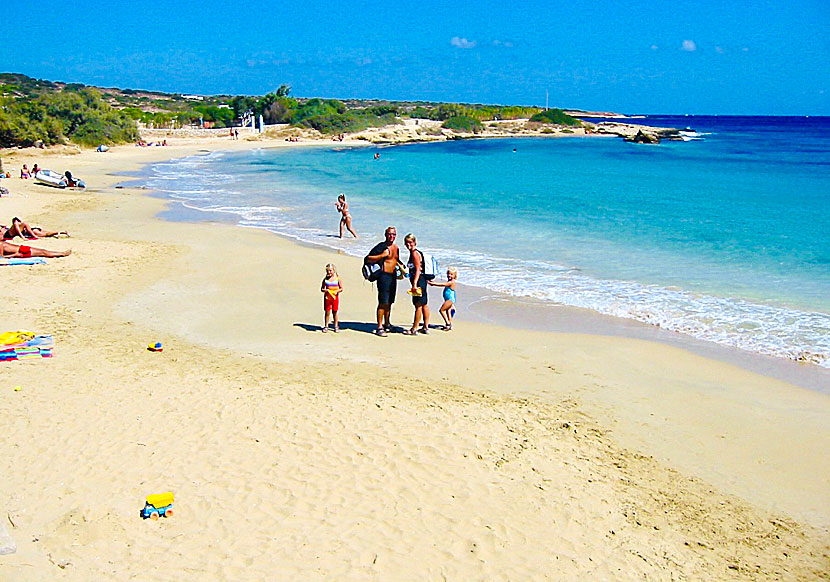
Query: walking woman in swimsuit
[[345, 220]]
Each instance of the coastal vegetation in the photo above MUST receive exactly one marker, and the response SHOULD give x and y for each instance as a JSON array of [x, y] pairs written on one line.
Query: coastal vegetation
[[463, 123], [36, 111], [69, 113], [554, 116]]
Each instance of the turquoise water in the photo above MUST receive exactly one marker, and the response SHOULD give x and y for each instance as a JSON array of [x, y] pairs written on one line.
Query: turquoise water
[[725, 237]]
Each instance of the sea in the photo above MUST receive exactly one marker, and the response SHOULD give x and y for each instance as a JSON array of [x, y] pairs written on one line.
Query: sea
[[723, 237]]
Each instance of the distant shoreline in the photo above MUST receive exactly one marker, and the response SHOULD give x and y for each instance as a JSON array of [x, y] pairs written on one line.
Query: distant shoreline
[[426, 131]]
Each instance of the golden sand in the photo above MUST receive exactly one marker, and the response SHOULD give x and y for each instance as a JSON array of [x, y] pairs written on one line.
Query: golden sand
[[480, 454]]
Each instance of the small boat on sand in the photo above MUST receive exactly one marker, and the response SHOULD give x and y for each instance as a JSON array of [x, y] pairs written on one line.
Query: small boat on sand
[[56, 180]]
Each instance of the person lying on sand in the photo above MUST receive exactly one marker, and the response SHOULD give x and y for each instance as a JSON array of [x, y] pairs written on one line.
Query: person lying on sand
[[23, 230], [10, 251]]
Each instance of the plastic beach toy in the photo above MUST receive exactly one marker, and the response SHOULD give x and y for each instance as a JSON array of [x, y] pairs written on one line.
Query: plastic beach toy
[[416, 293], [155, 347], [158, 505]]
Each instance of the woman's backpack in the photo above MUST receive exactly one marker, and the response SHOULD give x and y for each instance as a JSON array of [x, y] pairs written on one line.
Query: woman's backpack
[[429, 265]]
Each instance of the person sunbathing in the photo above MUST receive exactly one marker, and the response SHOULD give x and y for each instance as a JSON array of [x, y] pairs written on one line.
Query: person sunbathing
[[10, 251], [23, 230]]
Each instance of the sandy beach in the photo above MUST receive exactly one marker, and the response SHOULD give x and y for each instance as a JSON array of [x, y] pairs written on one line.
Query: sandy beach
[[487, 453]]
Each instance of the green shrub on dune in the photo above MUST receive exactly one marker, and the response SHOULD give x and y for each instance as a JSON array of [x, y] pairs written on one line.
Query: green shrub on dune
[[75, 113], [348, 122], [463, 123], [556, 117], [332, 117]]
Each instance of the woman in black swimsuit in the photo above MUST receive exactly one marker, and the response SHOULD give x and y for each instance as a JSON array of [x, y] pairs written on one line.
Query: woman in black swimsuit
[[23, 230], [419, 287]]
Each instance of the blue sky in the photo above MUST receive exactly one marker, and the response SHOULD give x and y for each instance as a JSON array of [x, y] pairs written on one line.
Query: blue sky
[[632, 57]]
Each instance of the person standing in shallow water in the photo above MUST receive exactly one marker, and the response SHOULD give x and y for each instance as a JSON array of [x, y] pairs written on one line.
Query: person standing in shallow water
[[387, 255], [346, 218]]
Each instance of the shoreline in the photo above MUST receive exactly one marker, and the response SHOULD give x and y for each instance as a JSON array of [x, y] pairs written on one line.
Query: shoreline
[[809, 377], [483, 305], [555, 447], [539, 314]]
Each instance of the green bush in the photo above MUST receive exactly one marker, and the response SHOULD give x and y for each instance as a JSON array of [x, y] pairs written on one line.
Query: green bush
[[77, 113], [446, 111], [463, 123], [555, 116], [220, 116], [420, 112], [380, 110], [349, 122]]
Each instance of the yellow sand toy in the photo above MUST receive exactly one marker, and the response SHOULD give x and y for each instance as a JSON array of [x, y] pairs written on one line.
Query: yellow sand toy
[[160, 504]]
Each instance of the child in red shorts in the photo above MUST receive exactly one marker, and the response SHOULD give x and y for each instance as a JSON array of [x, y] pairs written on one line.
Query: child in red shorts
[[331, 289]]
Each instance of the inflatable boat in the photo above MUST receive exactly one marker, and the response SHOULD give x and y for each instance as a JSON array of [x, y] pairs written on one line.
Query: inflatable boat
[[56, 180]]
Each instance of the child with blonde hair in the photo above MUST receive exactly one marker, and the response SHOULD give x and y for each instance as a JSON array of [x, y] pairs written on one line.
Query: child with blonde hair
[[331, 289], [447, 310]]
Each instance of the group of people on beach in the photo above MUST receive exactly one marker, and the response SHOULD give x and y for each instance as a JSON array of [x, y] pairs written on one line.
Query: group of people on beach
[[18, 228], [26, 173], [386, 255]]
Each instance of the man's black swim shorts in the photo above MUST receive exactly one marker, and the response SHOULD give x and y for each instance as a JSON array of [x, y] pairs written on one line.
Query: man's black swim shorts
[[387, 285]]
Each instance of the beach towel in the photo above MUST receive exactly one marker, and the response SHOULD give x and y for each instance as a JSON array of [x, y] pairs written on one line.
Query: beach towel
[[12, 338], [22, 261], [24, 345]]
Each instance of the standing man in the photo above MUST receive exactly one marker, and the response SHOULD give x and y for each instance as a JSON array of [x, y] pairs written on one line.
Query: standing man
[[388, 256]]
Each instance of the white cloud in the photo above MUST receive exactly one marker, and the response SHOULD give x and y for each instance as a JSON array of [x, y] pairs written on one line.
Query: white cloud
[[719, 50], [654, 47], [462, 43], [504, 43], [689, 45]]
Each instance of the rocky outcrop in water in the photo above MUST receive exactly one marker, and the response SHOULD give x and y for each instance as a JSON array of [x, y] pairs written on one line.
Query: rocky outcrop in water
[[638, 133], [643, 137]]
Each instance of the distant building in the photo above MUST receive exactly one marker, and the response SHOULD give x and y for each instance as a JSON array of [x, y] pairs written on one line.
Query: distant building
[[193, 97]]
